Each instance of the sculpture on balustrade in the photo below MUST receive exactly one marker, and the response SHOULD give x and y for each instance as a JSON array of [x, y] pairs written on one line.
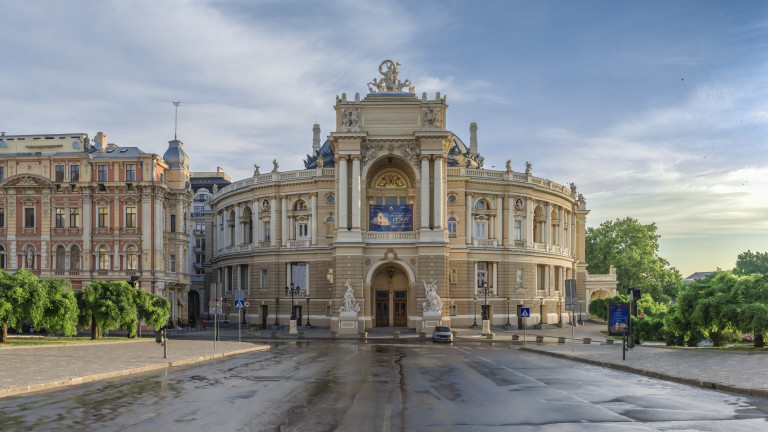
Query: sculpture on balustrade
[[350, 304]]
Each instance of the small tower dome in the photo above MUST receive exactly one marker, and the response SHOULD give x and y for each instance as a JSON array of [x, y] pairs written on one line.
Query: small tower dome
[[175, 156]]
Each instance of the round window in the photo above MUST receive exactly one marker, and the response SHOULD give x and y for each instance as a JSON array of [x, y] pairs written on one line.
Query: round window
[[452, 198], [330, 198]]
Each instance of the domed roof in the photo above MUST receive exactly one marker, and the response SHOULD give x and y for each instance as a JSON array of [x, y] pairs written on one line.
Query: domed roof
[[175, 156]]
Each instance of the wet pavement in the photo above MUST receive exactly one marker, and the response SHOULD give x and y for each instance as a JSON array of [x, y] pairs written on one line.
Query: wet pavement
[[384, 385]]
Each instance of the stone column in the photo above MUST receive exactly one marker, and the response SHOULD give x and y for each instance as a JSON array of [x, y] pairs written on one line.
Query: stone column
[[284, 221], [560, 228], [313, 225], [356, 192], [341, 166], [499, 219], [529, 240], [438, 203], [255, 222], [424, 192], [468, 217], [238, 229], [548, 226], [273, 221]]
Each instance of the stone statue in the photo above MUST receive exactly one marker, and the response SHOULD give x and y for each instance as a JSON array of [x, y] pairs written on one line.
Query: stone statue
[[431, 119], [573, 187], [390, 81], [275, 166], [350, 304], [528, 167], [256, 170], [434, 303], [320, 161], [582, 200], [215, 188], [30, 257], [509, 164], [612, 270]]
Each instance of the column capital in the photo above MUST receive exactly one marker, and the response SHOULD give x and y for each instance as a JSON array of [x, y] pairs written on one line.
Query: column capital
[[341, 157], [424, 157], [356, 157]]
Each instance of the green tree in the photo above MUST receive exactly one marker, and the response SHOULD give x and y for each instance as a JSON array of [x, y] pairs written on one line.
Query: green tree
[[106, 306], [22, 298], [599, 307], [153, 309], [748, 308], [750, 262], [632, 248], [60, 314]]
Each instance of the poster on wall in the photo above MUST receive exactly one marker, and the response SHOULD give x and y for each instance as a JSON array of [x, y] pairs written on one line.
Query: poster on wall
[[390, 217]]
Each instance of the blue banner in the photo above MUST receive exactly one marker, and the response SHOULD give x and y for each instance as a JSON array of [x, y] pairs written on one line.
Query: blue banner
[[618, 319], [390, 217]]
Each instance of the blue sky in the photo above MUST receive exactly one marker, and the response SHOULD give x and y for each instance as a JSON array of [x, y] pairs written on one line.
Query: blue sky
[[656, 110]]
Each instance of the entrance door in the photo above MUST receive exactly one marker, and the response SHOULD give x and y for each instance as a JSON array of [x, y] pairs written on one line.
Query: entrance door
[[382, 308], [264, 313], [297, 313], [400, 318]]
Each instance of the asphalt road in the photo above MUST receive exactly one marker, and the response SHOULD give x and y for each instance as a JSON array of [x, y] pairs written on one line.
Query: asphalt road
[[354, 386]]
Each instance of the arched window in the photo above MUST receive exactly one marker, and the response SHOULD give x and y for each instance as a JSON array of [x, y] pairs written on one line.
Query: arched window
[[131, 258], [74, 258], [538, 225], [555, 225], [231, 223], [452, 227], [2, 257], [300, 205], [103, 257], [247, 226], [482, 204], [60, 258]]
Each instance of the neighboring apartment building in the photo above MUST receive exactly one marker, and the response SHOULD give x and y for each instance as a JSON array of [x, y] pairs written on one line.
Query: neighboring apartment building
[[390, 205], [87, 211]]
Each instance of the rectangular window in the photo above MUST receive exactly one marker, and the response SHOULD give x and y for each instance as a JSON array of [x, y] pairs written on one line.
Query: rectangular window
[[130, 172], [60, 217], [266, 231], [130, 217], [103, 217], [244, 278], [2, 217], [60, 173], [74, 218], [302, 231], [74, 173], [519, 279], [518, 230], [299, 276], [2, 173], [263, 279], [172, 263], [480, 230], [452, 310], [173, 223], [102, 173], [29, 217]]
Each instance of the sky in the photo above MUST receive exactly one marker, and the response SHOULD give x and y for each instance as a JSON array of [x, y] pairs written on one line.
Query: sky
[[657, 110]]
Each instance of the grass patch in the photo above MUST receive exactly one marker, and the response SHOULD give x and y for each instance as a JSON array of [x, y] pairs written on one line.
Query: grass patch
[[53, 340]]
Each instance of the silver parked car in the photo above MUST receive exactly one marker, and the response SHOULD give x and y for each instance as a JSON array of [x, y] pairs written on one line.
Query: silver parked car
[[442, 334]]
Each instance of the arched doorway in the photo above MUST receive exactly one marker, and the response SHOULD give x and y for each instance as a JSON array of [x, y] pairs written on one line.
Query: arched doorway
[[193, 307], [390, 292]]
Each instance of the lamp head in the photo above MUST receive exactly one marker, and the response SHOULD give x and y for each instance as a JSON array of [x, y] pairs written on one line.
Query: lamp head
[[390, 271]]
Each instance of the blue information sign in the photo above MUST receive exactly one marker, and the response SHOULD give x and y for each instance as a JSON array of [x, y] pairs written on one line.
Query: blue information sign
[[618, 319], [525, 312], [390, 217], [239, 304]]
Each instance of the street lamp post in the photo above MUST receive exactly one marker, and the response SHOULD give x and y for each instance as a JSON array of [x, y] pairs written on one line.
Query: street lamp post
[[508, 323], [541, 311], [474, 299], [293, 292], [277, 309], [559, 313], [484, 291], [308, 324]]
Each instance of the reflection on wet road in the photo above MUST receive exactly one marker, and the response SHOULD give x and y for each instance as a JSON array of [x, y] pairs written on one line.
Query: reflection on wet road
[[348, 385]]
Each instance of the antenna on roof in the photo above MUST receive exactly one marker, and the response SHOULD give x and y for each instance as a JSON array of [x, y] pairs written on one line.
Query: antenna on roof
[[176, 119]]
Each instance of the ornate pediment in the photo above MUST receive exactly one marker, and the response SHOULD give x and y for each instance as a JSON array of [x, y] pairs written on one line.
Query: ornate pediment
[[27, 181]]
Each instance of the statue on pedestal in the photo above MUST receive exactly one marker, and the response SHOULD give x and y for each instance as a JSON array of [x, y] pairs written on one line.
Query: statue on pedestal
[[350, 304]]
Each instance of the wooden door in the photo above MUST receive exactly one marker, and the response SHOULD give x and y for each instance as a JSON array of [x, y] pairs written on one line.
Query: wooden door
[[400, 315], [382, 308], [297, 313]]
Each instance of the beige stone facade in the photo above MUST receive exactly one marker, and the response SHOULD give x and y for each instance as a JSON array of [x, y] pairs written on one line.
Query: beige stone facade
[[400, 202]]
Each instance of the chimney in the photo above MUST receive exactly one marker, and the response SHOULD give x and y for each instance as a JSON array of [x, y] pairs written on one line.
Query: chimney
[[315, 138], [101, 141], [473, 138]]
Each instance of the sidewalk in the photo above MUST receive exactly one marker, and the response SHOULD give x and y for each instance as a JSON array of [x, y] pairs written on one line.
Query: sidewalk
[[33, 368]]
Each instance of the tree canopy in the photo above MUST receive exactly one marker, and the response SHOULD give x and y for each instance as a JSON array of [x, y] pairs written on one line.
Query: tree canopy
[[632, 248], [107, 305], [22, 298], [750, 262]]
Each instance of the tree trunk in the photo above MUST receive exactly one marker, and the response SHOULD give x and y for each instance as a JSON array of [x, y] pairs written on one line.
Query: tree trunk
[[759, 341], [5, 334], [94, 329]]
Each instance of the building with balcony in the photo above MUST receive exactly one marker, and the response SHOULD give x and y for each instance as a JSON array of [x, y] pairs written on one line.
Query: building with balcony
[[391, 203], [84, 211]]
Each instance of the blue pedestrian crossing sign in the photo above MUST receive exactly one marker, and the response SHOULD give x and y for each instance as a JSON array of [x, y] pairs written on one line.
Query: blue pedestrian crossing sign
[[525, 312], [239, 304]]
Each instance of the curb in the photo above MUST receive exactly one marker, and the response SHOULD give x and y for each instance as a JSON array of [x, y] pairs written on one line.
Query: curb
[[658, 375], [15, 391]]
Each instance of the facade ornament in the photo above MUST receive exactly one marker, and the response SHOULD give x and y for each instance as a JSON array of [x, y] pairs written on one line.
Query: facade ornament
[[509, 165], [30, 250], [256, 170], [275, 166], [390, 81], [432, 119], [434, 303], [528, 167], [411, 152], [462, 161], [350, 304], [320, 161], [582, 201], [350, 120], [371, 151], [27, 181], [573, 188], [215, 188]]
